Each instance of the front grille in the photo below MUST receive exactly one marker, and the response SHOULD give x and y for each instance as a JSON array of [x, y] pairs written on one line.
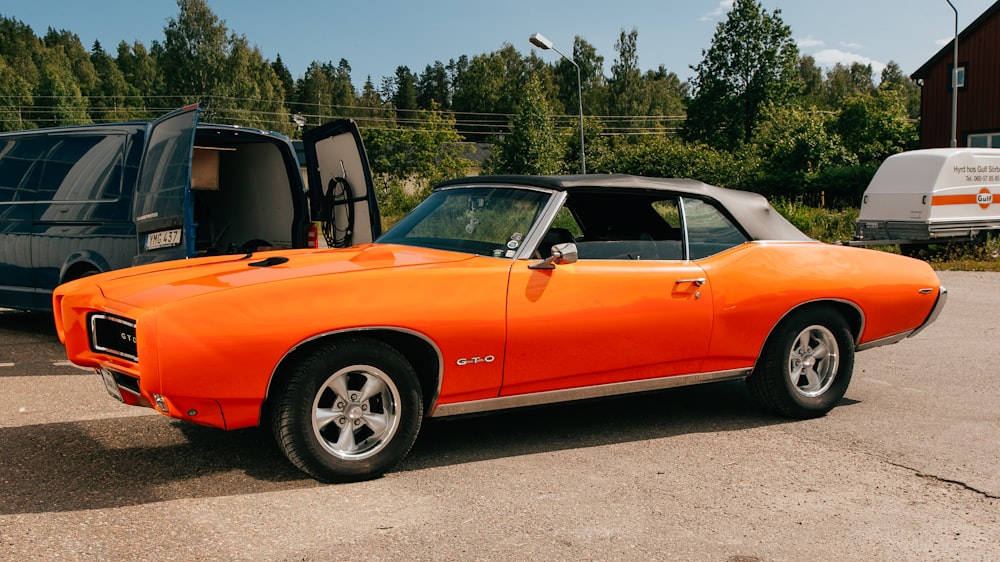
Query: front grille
[[113, 335]]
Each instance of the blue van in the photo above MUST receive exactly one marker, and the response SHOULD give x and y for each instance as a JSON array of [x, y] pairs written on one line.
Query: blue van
[[75, 201]]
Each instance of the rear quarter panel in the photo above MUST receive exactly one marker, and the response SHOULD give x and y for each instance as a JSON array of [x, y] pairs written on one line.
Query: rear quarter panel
[[757, 284]]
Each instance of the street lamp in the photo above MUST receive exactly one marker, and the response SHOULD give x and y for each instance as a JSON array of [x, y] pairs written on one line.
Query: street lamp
[[954, 83], [540, 41]]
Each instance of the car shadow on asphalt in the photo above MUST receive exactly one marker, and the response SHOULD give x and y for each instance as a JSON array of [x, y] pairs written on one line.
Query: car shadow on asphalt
[[145, 459], [722, 406]]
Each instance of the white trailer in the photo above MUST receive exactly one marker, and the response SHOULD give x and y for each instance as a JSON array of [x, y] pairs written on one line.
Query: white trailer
[[931, 196]]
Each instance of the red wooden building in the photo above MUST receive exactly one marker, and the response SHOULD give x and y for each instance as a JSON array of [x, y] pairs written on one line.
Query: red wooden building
[[978, 122]]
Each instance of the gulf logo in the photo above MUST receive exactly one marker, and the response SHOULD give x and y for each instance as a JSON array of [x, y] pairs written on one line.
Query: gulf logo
[[984, 198]]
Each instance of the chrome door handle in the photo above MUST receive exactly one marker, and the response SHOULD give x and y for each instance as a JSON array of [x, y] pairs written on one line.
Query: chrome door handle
[[698, 282]]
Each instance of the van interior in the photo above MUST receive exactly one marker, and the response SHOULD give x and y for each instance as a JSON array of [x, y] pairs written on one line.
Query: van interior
[[242, 191]]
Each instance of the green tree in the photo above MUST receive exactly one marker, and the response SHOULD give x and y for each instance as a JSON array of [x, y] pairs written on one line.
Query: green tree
[[15, 99], [666, 92], [792, 139], [194, 55], [811, 78], [141, 73], [59, 99], [404, 94], [254, 94], [326, 91], [80, 64], [284, 77], [751, 63], [532, 146], [875, 127], [893, 79], [432, 87], [626, 96], [592, 80], [110, 99], [846, 81], [489, 84], [668, 157], [374, 110], [19, 46]]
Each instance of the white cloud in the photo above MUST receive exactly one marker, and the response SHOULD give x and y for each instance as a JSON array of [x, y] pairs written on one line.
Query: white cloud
[[828, 58], [809, 42], [852, 46], [723, 8]]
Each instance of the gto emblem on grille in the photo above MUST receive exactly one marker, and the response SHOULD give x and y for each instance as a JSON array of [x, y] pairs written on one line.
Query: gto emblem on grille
[[129, 338], [462, 361]]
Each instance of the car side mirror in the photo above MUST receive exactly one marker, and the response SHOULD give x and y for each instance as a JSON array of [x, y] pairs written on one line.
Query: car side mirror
[[561, 254]]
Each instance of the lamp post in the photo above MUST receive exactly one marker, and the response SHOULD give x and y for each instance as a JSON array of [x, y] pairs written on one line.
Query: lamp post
[[954, 83], [540, 41]]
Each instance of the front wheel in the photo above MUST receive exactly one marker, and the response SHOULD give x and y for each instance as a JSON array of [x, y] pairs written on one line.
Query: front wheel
[[348, 411], [806, 365]]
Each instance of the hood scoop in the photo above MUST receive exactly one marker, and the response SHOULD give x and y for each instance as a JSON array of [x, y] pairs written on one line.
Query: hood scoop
[[274, 260]]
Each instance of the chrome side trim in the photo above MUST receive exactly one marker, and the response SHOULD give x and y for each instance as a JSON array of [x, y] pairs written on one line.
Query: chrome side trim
[[884, 341], [596, 391], [935, 312]]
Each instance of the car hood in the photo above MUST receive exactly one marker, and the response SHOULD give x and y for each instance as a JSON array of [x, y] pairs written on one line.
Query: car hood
[[149, 286]]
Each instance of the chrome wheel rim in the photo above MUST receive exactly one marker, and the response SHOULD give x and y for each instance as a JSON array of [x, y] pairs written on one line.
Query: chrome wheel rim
[[813, 361], [356, 412]]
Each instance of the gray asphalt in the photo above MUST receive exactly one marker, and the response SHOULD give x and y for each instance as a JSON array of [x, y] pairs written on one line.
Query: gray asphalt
[[904, 469]]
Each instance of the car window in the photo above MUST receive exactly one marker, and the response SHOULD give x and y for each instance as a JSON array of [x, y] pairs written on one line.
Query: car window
[[612, 225], [484, 221], [709, 230]]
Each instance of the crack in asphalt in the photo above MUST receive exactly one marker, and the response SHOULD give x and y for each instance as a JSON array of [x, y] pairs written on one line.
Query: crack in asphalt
[[944, 480], [915, 471]]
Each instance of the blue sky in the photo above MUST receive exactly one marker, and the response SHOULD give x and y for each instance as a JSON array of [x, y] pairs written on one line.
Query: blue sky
[[376, 37]]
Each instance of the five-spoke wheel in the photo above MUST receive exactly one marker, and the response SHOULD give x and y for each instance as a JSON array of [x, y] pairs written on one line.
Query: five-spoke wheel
[[806, 364], [347, 411]]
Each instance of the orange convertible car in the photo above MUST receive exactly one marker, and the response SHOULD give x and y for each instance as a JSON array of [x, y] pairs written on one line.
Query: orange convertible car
[[496, 292]]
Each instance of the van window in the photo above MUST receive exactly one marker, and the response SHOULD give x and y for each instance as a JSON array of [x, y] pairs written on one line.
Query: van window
[[18, 157], [82, 167]]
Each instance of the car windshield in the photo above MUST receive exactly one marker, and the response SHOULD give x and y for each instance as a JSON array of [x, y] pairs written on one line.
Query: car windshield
[[489, 221]]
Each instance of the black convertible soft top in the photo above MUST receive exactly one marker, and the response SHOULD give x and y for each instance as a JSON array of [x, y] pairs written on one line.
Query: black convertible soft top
[[751, 210]]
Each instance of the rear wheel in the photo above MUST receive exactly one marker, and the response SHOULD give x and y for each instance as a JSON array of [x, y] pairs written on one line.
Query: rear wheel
[[348, 411], [806, 365]]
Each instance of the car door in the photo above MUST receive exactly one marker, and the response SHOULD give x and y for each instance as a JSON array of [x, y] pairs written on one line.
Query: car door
[[341, 191], [601, 321], [164, 207]]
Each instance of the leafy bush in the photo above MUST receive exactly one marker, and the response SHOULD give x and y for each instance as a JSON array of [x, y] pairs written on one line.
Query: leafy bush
[[820, 224]]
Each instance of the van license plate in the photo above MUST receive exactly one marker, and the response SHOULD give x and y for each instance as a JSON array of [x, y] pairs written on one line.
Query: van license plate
[[163, 239]]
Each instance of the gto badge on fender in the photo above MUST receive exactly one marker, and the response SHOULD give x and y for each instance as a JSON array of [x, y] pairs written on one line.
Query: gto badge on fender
[[462, 361]]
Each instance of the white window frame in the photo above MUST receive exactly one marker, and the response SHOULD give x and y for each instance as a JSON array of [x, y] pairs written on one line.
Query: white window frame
[[992, 140]]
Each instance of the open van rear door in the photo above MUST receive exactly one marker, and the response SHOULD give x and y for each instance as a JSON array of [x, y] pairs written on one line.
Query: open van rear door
[[163, 206], [341, 191]]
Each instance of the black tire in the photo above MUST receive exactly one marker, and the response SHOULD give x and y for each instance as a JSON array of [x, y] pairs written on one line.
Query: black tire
[[361, 384], [805, 366]]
